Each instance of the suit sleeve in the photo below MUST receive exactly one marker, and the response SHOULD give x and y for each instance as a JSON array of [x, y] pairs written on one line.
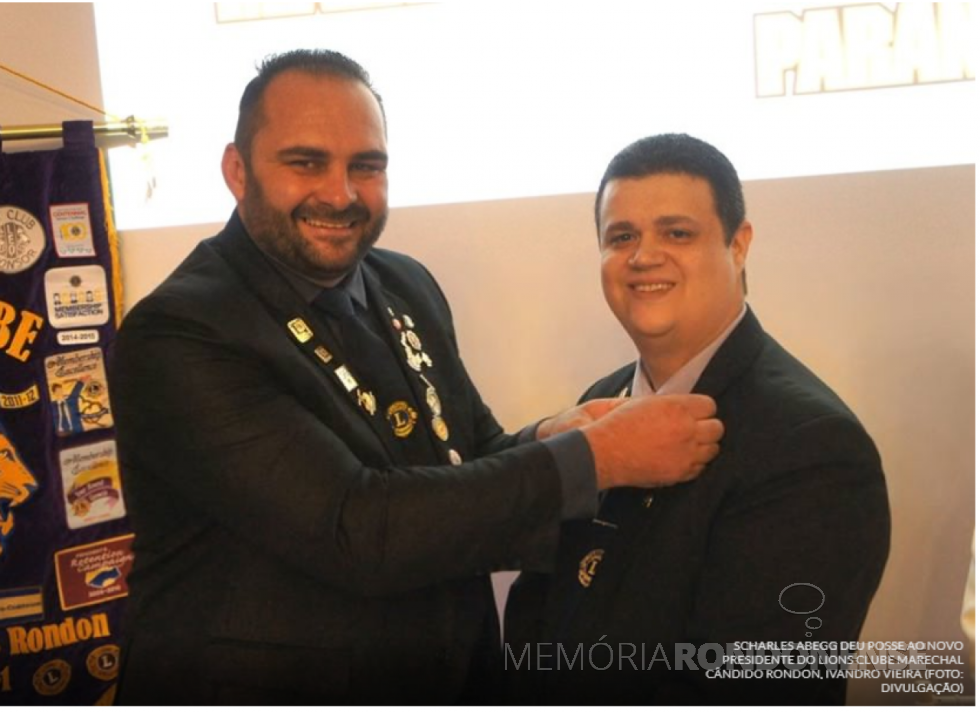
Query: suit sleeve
[[203, 426]]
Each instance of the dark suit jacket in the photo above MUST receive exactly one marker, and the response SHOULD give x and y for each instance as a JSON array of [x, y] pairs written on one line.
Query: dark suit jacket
[[797, 496], [284, 553]]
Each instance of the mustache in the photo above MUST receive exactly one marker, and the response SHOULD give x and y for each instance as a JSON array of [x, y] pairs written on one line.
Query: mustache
[[351, 213]]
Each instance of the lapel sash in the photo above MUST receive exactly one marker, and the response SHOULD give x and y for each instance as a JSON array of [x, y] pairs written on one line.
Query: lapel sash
[[309, 333], [407, 338]]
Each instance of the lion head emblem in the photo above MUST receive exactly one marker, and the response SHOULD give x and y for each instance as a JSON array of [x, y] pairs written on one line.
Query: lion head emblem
[[17, 485]]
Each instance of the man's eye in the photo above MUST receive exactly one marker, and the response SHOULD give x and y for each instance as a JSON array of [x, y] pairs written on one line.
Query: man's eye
[[679, 234], [619, 238], [366, 168], [7, 454]]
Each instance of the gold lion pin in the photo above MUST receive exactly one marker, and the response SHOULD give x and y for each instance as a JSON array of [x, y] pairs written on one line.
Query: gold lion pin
[[588, 565], [402, 418]]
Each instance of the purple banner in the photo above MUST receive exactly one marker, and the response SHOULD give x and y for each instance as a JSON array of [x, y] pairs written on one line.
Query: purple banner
[[65, 543]]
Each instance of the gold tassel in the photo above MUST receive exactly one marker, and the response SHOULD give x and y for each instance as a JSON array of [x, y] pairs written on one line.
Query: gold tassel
[[110, 227]]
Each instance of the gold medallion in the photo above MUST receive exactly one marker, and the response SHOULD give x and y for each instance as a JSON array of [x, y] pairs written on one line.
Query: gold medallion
[[440, 428], [323, 354], [300, 330], [588, 565], [402, 418]]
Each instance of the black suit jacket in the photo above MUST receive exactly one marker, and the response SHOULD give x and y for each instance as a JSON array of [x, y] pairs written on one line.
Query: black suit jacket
[[284, 553], [797, 496]]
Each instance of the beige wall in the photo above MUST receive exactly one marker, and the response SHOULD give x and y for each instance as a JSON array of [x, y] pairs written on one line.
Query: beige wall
[[868, 278], [55, 44]]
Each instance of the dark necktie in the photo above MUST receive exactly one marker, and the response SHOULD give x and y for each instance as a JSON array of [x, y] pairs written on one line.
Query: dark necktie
[[377, 370]]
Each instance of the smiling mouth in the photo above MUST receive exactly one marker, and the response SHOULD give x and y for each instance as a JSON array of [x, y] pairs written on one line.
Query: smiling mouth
[[329, 224], [656, 287]]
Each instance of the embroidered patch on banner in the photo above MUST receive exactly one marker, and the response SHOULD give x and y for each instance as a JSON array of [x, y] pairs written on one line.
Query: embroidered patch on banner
[[22, 239], [91, 485], [21, 605], [18, 330], [79, 337], [17, 485], [94, 573], [103, 662], [72, 230], [76, 296], [78, 391], [52, 678], [13, 401]]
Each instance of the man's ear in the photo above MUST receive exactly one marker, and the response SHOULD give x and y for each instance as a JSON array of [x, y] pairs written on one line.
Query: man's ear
[[234, 171], [740, 245]]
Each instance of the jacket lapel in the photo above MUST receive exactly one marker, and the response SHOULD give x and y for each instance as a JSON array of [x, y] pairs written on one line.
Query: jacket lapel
[[412, 344], [300, 323], [635, 510]]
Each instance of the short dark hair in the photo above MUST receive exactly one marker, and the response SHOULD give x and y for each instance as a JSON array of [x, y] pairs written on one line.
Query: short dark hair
[[682, 154], [322, 62]]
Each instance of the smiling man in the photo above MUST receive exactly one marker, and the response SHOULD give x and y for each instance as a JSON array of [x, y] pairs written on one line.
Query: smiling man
[[317, 489], [783, 539]]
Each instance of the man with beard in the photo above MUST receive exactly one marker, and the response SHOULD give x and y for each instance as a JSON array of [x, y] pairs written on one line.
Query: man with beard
[[318, 491]]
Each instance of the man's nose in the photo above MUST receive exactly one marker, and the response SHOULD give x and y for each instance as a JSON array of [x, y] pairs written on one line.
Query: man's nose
[[649, 252], [335, 188]]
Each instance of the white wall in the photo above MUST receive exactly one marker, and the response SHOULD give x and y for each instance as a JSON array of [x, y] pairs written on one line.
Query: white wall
[[869, 278]]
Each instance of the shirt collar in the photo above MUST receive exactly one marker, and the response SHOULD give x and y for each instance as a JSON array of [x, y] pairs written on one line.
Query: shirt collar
[[352, 282], [687, 376]]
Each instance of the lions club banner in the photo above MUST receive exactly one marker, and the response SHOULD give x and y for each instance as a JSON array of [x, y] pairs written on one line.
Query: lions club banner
[[65, 546]]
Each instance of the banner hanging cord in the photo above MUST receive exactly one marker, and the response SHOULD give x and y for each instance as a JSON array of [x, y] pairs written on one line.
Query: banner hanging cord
[[51, 89]]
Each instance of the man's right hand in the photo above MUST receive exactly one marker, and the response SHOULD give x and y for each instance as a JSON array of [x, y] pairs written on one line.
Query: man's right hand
[[654, 441]]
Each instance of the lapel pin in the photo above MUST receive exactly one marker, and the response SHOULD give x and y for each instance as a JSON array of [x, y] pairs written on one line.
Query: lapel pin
[[367, 401], [323, 354], [440, 428], [345, 377], [300, 330], [588, 565], [402, 418]]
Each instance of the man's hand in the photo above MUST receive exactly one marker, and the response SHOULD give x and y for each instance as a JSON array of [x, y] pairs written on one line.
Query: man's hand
[[654, 441], [577, 417]]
